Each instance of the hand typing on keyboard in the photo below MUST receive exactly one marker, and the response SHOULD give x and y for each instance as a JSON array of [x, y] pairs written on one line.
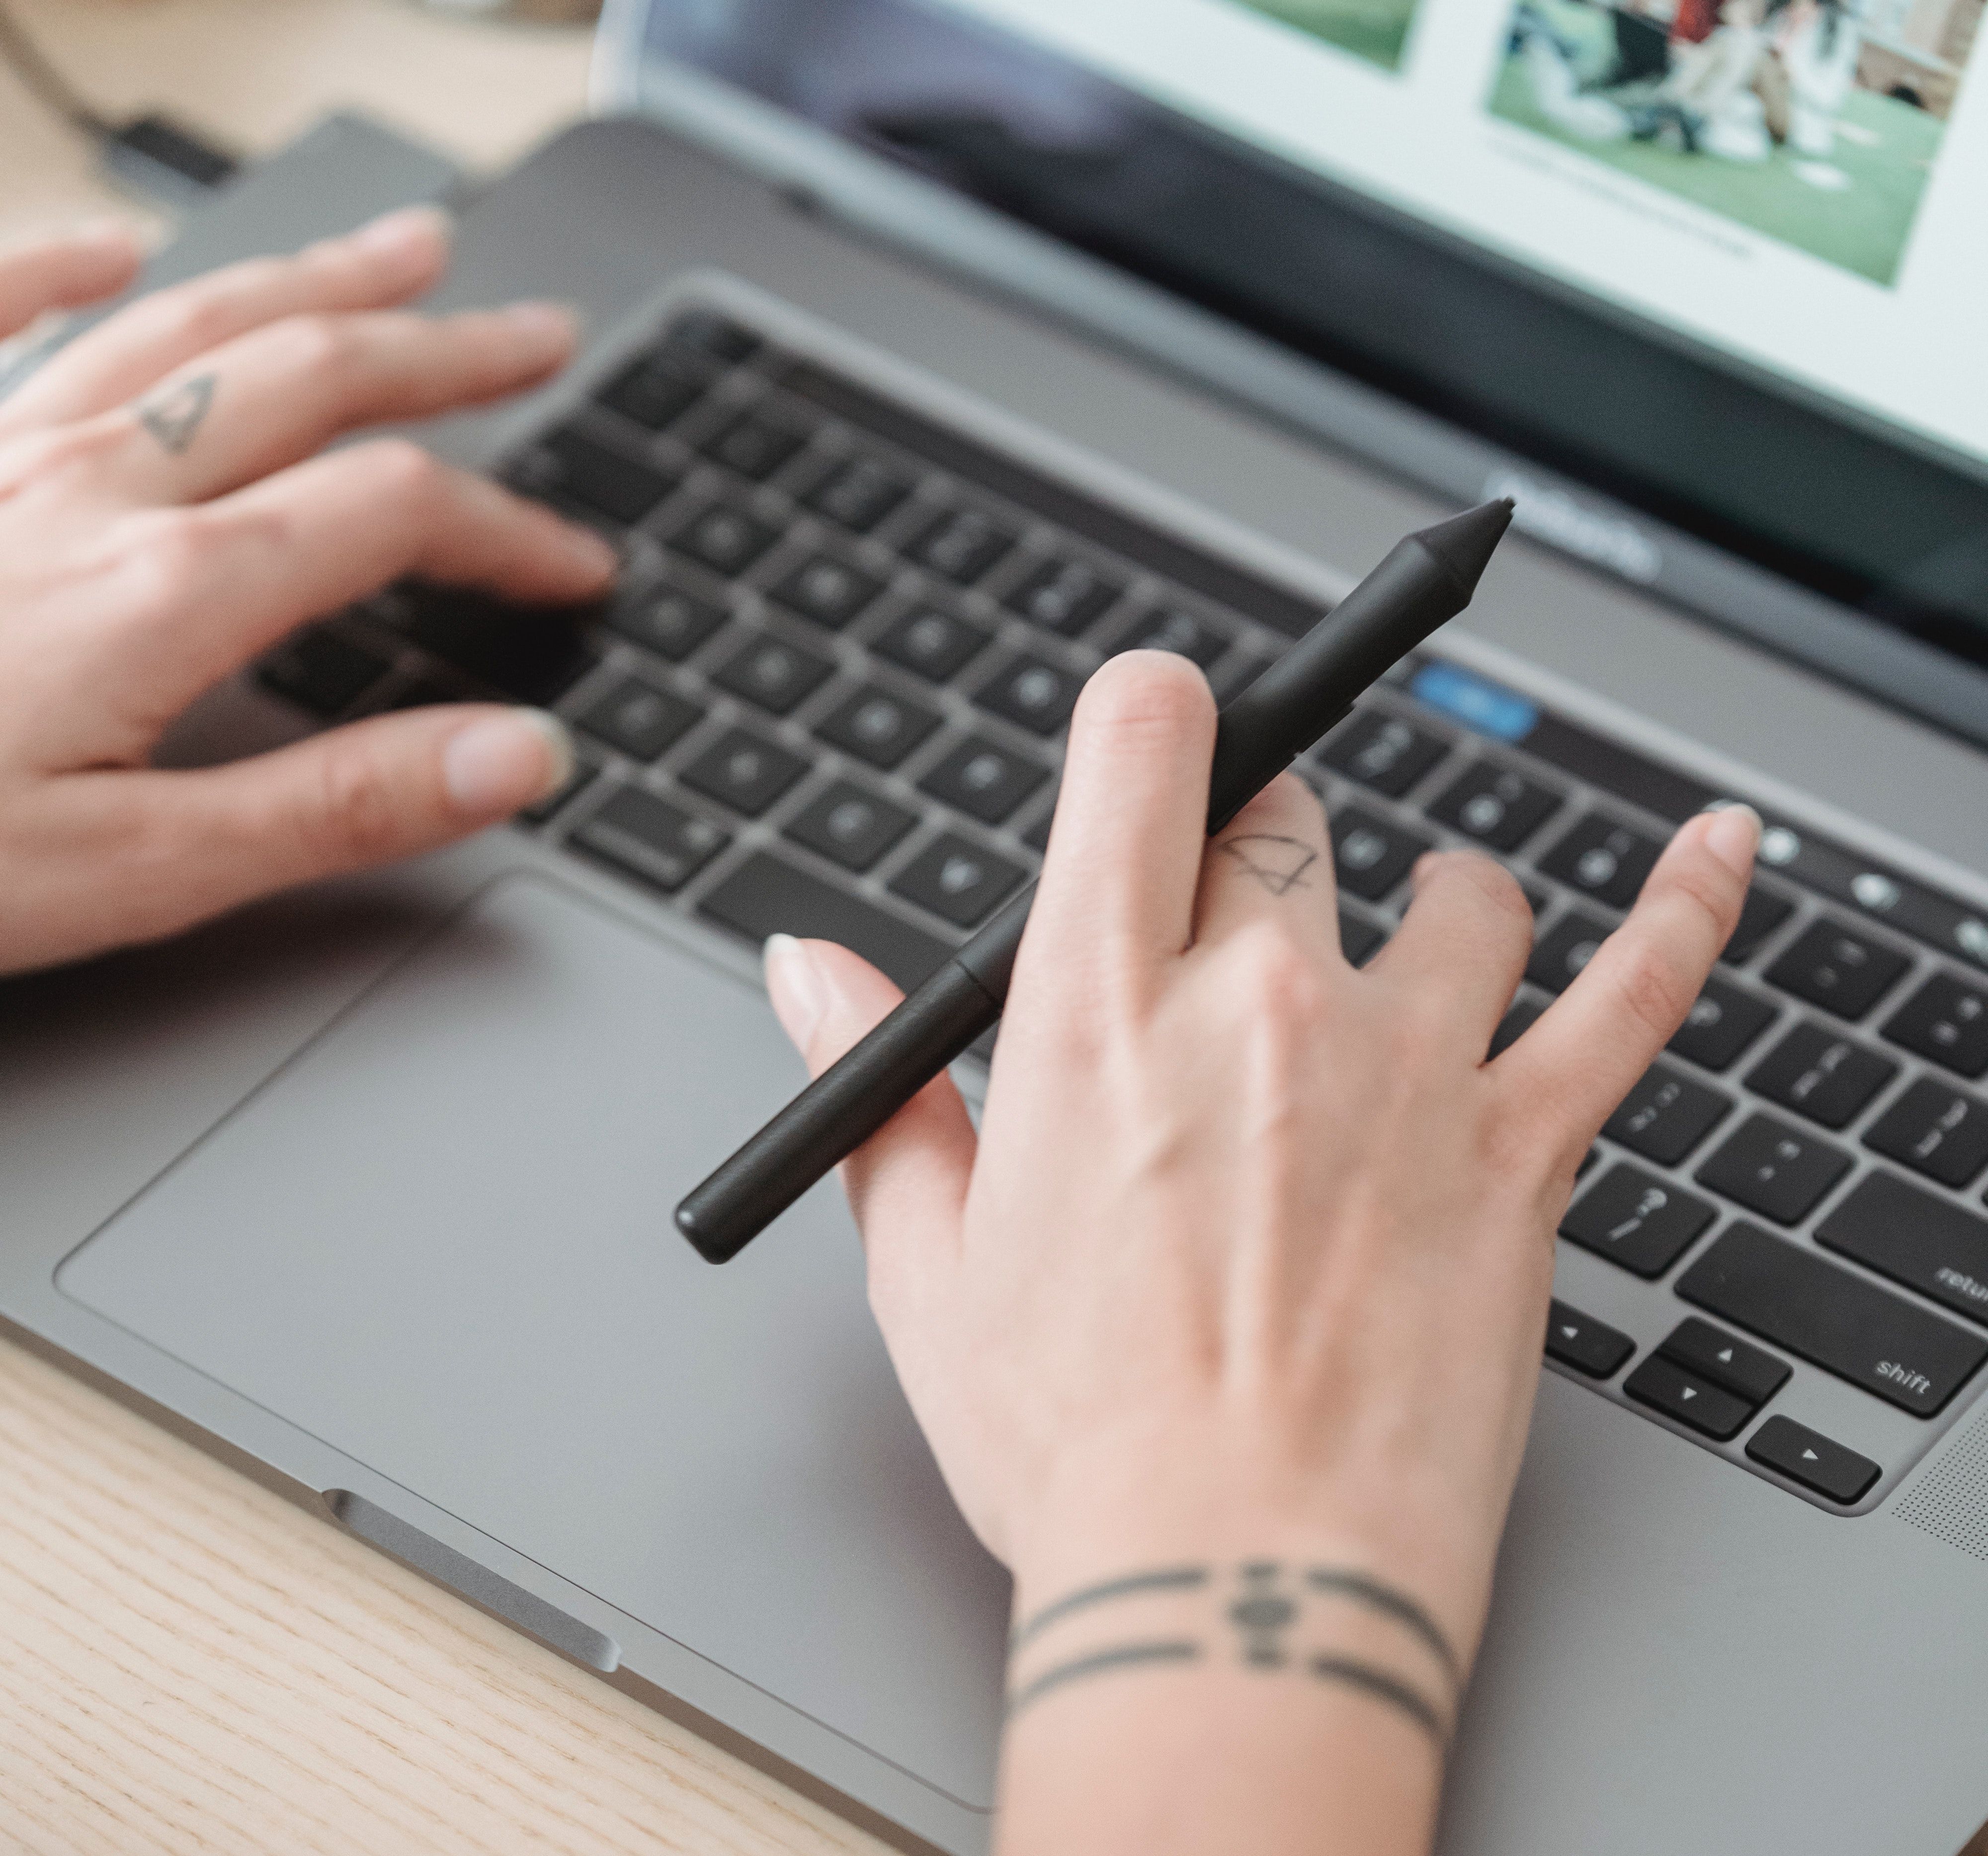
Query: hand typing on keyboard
[[162, 519], [1226, 1327]]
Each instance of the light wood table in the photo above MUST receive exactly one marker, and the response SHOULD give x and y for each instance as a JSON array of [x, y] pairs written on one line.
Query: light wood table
[[187, 1662]]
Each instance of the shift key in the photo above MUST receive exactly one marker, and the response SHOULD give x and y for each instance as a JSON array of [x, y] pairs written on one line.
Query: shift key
[[1907, 1357]]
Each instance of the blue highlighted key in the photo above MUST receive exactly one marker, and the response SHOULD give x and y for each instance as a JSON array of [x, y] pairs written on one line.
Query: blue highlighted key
[[1488, 708]]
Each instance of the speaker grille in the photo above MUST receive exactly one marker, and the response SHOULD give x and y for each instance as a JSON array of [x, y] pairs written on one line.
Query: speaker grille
[[1950, 1501]]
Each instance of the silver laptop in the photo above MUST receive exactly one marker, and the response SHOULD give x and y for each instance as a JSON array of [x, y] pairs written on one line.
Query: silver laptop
[[939, 351]]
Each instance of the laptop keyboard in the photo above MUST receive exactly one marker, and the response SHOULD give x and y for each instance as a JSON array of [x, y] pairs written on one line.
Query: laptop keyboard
[[828, 699]]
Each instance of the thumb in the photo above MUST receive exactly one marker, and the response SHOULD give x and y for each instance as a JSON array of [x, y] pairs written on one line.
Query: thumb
[[368, 793], [907, 1184]]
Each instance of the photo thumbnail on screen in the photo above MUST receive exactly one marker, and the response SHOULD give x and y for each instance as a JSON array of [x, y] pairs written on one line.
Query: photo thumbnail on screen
[[1376, 30], [1818, 122]]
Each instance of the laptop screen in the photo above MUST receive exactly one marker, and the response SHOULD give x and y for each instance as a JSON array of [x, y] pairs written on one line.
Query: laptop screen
[[1719, 263]]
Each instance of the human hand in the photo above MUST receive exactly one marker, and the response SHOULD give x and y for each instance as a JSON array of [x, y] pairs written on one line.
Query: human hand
[[163, 518], [1249, 1267]]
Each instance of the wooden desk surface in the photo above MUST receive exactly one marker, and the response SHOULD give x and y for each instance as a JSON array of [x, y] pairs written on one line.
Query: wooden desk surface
[[187, 1662]]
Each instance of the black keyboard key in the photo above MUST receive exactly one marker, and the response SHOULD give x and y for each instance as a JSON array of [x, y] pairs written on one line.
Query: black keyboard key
[[1561, 955], [723, 540], [666, 620], [858, 495], [776, 676], [1762, 912], [640, 720], [1514, 1024], [1635, 1219], [655, 391], [849, 826], [1722, 1023], [1815, 1073], [1935, 1130], [1603, 859], [1588, 1346], [934, 644], [1726, 1360], [829, 592], [1782, 1172], [1037, 837], [740, 770], [706, 332], [584, 774], [986, 782], [651, 839], [1665, 1386], [1382, 751], [767, 895], [1906, 1233], [1359, 939], [1813, 1460], [1495, 806], [1065, 596], [1793, 1298], [877, 727], [1837, 967], [574, 469], [756, 446], [1946, 1021], [531, 653], [1666, 1115], [423, 692], [1033, 693], [1371, 854], [1200, 641], [963, 545], [957, 880], [320, 672]]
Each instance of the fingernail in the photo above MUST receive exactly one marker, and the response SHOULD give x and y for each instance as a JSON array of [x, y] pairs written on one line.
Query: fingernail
[[495, 766], [549, 327], [592, 553], [795, 988], [1733, 837], [410, 229]]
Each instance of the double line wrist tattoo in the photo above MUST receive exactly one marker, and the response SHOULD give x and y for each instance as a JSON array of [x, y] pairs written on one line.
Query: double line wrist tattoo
[[1328, 1624]]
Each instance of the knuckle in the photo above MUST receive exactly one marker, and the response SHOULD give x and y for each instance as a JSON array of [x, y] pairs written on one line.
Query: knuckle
[[318, 345], [1654, 991], [404, 470], [1278, 982], [351, 814], [1493, 887], [164, 557]]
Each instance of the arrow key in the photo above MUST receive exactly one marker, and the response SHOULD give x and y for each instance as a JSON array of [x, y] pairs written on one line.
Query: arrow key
[[1726, 1360], [1588, 1346], [1807, 1457], [1688, 1398]]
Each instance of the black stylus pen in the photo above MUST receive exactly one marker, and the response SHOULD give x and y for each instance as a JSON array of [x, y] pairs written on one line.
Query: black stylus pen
[[1427, 579]]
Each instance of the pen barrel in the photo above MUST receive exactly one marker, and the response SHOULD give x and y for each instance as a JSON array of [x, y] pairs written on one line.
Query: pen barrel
[[837, 1112], [1309, 691]]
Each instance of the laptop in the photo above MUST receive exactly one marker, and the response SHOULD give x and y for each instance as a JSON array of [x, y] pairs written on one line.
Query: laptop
[[938, 351]]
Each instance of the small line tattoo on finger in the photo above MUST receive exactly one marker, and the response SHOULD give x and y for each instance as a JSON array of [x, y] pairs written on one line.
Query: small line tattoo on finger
[[1279, 864], [176, 415]]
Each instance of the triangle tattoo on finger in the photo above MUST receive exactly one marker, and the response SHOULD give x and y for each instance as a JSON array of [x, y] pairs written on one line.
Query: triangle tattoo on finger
[[175, 416], [1278, 863]]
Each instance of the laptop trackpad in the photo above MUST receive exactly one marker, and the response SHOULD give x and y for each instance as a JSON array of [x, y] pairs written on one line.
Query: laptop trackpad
[[440, 1240]]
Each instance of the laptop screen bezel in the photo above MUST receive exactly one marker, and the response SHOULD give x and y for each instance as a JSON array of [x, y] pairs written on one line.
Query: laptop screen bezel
[[748, 91]]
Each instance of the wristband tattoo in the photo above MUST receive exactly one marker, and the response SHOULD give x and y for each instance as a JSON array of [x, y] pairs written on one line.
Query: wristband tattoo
[[1260, 1615]]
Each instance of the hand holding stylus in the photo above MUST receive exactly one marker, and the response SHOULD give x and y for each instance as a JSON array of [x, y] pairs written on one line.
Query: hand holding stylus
[[1247, 1266]]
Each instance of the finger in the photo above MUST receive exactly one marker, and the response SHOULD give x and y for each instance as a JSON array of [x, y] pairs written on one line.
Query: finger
[[1587, 1052], [1125, 850], [210, 587], [83, 267], [1463, 947], [907, 1184], [284, 391], [1273, 861], [145, 854], [386, 263]]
